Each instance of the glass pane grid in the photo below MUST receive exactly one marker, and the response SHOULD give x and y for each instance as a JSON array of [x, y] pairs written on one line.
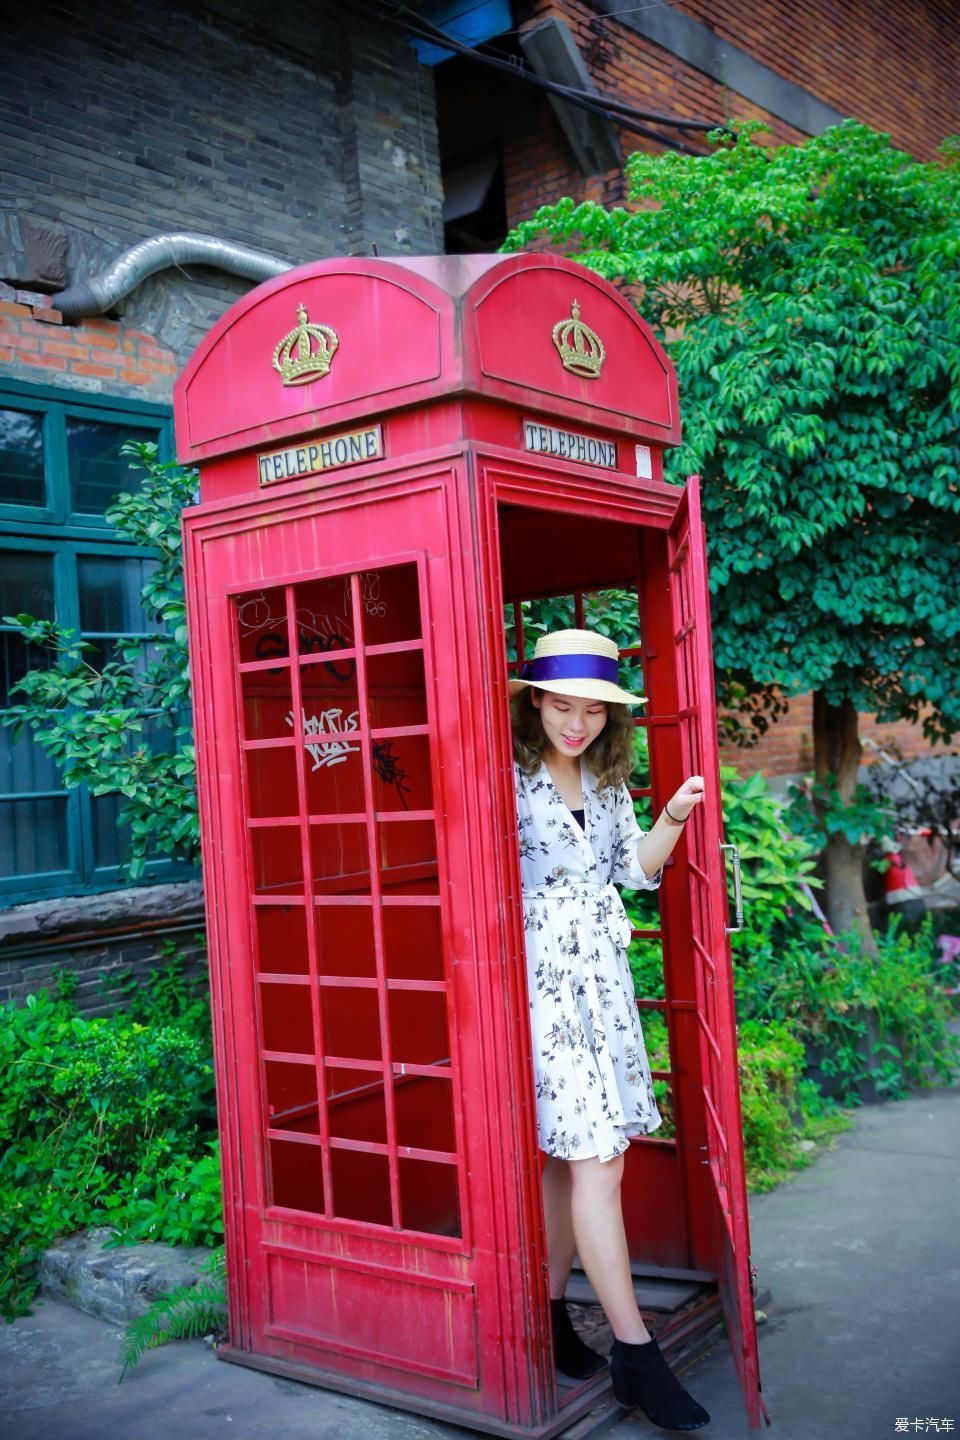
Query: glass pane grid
[[22, 460], [378, 997]]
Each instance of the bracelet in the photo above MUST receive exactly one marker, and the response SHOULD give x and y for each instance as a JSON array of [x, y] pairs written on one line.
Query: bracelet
[[674, 818]]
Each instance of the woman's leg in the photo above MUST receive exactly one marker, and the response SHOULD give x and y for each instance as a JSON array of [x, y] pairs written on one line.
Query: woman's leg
[[558, 1223], [601, 1242]]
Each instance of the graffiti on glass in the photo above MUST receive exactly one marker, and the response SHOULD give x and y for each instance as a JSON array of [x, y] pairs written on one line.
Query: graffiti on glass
[[388, 768], [333, 751]]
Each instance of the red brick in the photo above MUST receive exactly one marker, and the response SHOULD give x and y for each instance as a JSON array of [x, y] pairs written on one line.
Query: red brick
[[104, 372], [46, 362], [103, 340], [63, 347]]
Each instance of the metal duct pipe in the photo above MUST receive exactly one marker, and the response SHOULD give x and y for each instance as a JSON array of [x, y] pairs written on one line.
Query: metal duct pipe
[[102, 292]]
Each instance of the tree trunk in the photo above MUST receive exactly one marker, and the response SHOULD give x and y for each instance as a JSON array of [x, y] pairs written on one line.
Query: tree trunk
[[836, 748]]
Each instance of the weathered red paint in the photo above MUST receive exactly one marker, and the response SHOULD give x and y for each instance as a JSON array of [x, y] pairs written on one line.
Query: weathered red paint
[[381, 1180]]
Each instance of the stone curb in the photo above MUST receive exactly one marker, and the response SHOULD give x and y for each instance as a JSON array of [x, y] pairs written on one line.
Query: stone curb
[[118, 1284]]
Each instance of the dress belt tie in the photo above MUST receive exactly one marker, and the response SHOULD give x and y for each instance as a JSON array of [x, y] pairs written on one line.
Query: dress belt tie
[[587, 890]]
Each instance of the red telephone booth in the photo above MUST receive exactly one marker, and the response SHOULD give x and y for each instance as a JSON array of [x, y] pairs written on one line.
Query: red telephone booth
[[395, 455]]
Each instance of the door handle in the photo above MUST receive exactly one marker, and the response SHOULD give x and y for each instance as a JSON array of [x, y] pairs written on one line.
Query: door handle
[[737, 889]]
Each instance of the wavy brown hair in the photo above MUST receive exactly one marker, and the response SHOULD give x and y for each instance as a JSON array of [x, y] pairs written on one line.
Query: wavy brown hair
[[610, 756]]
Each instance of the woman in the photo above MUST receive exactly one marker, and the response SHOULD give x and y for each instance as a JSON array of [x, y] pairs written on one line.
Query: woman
[[578, 837]]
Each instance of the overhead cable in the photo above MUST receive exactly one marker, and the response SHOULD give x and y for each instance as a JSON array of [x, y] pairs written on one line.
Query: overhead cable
[[401, 18]]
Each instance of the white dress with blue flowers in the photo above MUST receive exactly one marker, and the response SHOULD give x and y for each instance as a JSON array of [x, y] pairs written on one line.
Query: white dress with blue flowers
[[593, 1084]]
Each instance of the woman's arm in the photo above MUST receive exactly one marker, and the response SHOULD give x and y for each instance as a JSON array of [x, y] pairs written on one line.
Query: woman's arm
[[658, 842]]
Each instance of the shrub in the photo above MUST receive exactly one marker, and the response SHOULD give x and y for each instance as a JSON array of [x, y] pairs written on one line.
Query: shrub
[[109, 1119]]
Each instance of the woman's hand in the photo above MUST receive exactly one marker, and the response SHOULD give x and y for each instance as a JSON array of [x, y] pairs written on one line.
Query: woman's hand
[[686, 798]]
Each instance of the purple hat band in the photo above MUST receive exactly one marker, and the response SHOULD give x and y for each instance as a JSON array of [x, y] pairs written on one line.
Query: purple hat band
[[571, 667]]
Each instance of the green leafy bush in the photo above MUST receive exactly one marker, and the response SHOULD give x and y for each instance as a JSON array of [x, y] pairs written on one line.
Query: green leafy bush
[[809, 1004], [105, 1120], [881, 1018]]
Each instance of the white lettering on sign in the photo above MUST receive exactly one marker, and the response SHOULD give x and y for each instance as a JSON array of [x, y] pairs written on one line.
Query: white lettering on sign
[[569, 445], [332, 453]]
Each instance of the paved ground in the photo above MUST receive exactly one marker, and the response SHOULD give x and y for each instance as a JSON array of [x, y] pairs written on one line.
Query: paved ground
[[861, 1254]]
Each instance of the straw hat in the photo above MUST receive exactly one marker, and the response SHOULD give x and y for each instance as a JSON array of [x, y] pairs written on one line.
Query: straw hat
[[576, 662]]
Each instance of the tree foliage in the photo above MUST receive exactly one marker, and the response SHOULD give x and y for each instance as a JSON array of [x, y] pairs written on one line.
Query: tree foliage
[[810, 298]]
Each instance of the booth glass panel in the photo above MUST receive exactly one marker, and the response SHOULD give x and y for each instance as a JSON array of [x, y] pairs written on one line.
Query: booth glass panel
[[340, 859], [356, 1104], [292, 1096], [345, 941], [296, 1173], [408, 857], [391, 605], [287, 1018], [429, 1198], [277, 860], [412, 942], [281, 938], [262, 626], [396, 689], [272, 783], [361, 1186], [418, 1027], [267, 704], [351, 1022], [331, 706], [356, 788], [425, 1113], [324, 617], [401, 773]]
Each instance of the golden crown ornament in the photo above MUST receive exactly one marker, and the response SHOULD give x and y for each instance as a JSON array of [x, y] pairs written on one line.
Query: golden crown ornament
[[580, 348], [295, 357]]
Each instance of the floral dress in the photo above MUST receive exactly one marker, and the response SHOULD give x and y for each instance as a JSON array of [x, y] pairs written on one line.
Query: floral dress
[[593, 1083]]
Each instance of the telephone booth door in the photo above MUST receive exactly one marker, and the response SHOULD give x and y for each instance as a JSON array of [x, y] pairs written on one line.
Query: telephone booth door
[[710, 947], [685, 1201]]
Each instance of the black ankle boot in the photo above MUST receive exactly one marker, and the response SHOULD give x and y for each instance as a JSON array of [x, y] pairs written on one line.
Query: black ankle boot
[[641, 1376], [570, 1354]]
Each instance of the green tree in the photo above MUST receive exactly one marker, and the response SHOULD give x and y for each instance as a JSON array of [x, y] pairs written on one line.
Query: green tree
[[809, 298], [125, 728]]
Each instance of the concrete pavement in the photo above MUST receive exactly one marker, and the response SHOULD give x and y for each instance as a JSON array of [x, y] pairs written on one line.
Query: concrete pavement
[[861, 1254]]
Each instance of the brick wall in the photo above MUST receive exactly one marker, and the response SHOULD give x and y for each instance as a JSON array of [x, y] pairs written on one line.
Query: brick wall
[[893, 66], [786, 750], [99, 354]]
